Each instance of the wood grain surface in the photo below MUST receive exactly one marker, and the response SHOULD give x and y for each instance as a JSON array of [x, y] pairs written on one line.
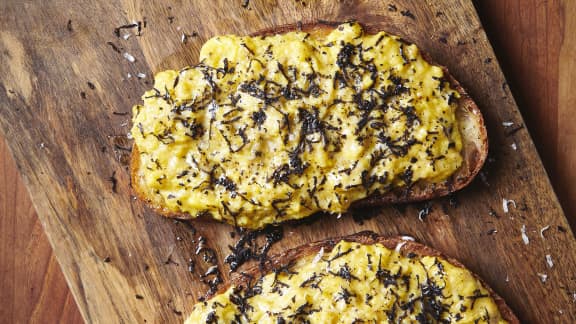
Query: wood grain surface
[[32, 287], [537, 53], [64, 145]]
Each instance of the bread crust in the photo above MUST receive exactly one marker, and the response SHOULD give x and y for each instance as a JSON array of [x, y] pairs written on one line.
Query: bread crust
[[470, 121], [242, 277]]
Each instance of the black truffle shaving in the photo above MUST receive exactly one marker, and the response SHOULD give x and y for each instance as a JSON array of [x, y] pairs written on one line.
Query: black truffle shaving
[[344, 58], [282, 175], [254, 90], [477, 295], [228, 184], [238, 299], [398, 85], [284, 269], [339, 254], [279, 210], [385, 277], [431, 301], [195, 129], [259, 117], [404, 59], [406, 176], [408, 13], [273, 235], [114, 182], [247, 247], [240, 132], [339, 81], [247, 48], [398, 147], [127, 26], [312, 124], [368, 180], [313, 281], [302, 311], [345, 295], [114, 47], [366, 107], [213, 284], [344, 273], [165, 137], [212, 318], [182, 174], [228, 211]]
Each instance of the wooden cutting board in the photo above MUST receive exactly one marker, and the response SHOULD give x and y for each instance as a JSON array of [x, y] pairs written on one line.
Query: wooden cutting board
[[65, 98]]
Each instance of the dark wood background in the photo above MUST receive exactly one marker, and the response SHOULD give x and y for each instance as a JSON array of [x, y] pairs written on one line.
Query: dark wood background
[[536, 49]]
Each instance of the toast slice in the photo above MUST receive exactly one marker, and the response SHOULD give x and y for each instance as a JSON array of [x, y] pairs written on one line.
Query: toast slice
[[473, 150], [363, 277]]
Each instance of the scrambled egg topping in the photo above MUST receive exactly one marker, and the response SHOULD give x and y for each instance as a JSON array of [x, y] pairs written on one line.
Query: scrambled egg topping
[[266, 129], [356, 283]]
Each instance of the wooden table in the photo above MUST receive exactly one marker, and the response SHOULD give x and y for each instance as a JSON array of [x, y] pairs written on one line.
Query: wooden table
[[536, 49]]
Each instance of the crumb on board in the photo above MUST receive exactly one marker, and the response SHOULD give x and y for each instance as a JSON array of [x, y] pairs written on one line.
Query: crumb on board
[[135, 24], [525, 238], [129, 57], [184, 38], [543, 277], [505, 204], [399, 246], [424, 211], [318, 256], [544, 229], [407, 238], [549, 261], [513, 130], [492, 212]]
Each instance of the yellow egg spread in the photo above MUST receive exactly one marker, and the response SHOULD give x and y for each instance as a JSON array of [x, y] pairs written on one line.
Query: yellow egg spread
[[267, 129], [356, 283]]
